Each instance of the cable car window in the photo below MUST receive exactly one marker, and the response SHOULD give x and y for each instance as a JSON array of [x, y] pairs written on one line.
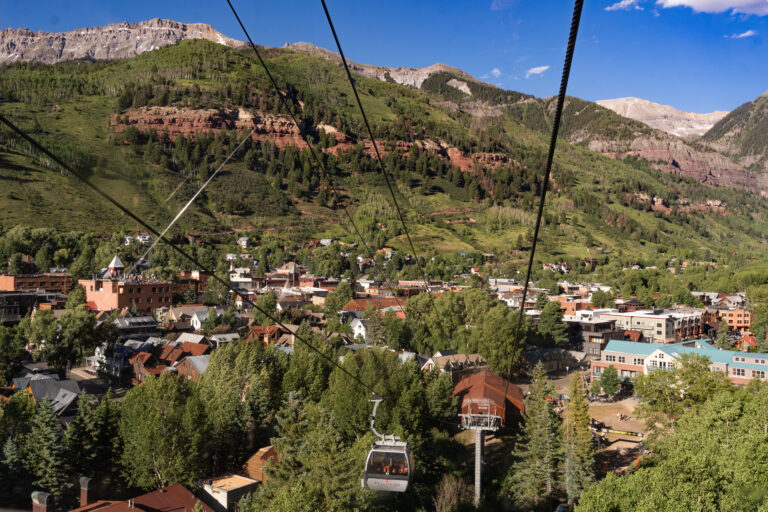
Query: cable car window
[[388, 463]]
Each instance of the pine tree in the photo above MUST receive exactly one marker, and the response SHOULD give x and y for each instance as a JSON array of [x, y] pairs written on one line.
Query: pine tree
[[44, 454], [578, 467], [93, 439], [533, 478], [722, 337]]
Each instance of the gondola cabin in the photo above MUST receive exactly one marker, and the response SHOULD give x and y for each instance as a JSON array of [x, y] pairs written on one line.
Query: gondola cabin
[[388, 467]]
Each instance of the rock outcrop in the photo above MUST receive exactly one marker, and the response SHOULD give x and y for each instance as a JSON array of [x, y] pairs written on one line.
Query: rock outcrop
[[686, 125], [113, 41]]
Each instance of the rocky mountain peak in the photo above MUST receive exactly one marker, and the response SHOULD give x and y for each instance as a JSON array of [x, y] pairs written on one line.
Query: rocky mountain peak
[[686, 125], [113, 41]]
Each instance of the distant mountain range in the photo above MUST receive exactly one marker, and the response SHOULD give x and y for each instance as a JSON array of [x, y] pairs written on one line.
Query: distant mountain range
[[686, 125], [660, 134]]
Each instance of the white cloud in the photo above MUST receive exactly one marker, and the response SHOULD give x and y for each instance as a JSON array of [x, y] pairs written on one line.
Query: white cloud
[[536, 71], [500, 5], [759, 7], [748, 33], [624, 5], [496, 72]]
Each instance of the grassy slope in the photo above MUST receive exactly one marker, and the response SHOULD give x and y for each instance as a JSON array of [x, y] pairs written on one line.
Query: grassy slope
[[50, 199]]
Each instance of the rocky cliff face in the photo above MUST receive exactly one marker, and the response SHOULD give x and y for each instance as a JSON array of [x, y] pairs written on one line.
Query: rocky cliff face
[[672, 155], [114, 41], [742, 135], [403, 76], [668, 119], [281, 131]]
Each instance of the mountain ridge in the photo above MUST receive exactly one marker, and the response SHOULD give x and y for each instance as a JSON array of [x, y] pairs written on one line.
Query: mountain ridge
[[686, 125], [113, 41]]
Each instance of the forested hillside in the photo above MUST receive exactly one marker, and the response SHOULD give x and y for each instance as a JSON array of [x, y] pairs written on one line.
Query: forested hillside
[[151, 129]]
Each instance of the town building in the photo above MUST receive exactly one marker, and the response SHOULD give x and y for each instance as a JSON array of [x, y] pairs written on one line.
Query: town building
[[224, 492], [656, 325], [192, 367], [137, 327], [16, 305], [455, 365], [254, 466], [174, 498], [484, 393], [59, 282], [631, 358], [112, 290]]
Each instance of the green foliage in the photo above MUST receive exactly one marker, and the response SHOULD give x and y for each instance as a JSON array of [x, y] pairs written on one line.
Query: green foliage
[[579, 463], [668, 395], [241, 392], [534, 477], [708, 462], [601, 299], [11, 352], [75, 298], [551, 326], [610, 381], [92, 440], [44, 453], [162, 426]]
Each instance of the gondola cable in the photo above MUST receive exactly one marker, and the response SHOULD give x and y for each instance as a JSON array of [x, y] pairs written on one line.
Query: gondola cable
[[384, 171], [319, 162], [575, 20]]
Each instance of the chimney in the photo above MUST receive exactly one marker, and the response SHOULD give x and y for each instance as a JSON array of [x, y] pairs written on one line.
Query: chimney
[[40, 501], [84, 483]]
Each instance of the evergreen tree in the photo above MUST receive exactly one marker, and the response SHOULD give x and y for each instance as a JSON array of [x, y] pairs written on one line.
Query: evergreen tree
[[93, 438], [44, 455], [578, 465], [533, 478], [723, 342]]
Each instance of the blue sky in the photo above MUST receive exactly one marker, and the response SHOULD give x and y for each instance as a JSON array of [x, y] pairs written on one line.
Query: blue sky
[[696, 55]]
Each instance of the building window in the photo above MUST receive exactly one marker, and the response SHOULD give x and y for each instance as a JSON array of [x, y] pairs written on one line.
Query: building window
[[758, 373], [638, 361], [658, 333], [739, 372], [661, 356], [622, 359], [658, 325], [610, 359]]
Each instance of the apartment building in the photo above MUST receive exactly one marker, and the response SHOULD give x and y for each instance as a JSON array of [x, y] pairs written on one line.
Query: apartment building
[[56, 282], [656, 325], [632, 358]]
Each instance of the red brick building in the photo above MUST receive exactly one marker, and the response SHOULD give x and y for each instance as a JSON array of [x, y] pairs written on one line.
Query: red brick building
[[114, 291], [50, 282]]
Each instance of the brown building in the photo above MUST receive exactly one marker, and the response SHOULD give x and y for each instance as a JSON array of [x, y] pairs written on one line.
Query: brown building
[[174, 498], [192, 367], [114, 291], [50, 282], [485, 393], [254, 467]]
